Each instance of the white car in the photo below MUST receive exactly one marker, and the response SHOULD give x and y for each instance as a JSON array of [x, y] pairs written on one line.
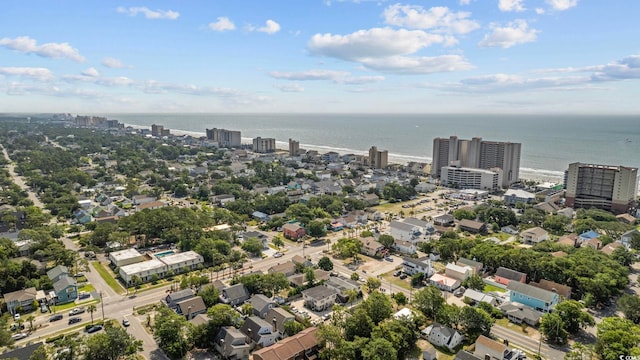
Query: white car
[[16, 316], [19, 336], [278, 254]]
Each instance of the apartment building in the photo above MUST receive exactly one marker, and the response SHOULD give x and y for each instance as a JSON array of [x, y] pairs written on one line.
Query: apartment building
[[264, 145], [611, 188], [378, 158], [224, 138], [471, 178], [479, 154]]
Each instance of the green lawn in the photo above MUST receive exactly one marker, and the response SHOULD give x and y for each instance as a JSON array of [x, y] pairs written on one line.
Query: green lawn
[[108, 277], [489, 288], [71, 305], [395, 281], [87, 288]]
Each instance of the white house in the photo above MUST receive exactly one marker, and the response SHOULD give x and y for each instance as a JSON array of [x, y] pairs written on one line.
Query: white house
[[413, 266], [444, 336], [458, 272], [534, 235]]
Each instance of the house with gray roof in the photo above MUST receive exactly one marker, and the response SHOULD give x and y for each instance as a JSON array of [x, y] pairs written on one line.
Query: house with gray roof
[[261, 305], [476, 266], [66, 290], [259, 331], [171, 301], [343, 287], [234, 294], [57, 273], [232, 344], [536, 298], [278, 316], [412, 266], [192, 307], [518, 313], [319, 298], [505, 276], [444, 336], [20, 298]]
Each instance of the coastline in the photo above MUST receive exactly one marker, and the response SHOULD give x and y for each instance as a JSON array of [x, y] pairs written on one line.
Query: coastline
[[539, 175]]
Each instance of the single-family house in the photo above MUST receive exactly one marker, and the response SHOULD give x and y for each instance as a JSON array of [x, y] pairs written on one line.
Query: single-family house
[[58, 273], [66, 290], [232, 344], [278, 317], [224, 199], [594, 243], [562, 290], [20, 300], [610, 248], [518, 313], [426, 228], [504, 276], [489, 349], [293, 231], [411, 266], [343, 287], [234, 294], [444, 282], [534, 235], [475, 266], [569, 240], [429, 353], [445, 220], [405, 247], [478, 297], [371, 247], [260, 216], [466, 355], [509, 229], [191, 308], [587, 235], [626, 218], [287, 268], [371, 199], [444, 336], [405, 231], [319, 298], [461, 273], [304, 345], [171, 301], [259, 331], [627, 237], [536, 298], [261, 305], [472, 226]]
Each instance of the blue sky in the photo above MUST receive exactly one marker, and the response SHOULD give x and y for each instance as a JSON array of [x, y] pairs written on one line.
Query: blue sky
[[455, 56]]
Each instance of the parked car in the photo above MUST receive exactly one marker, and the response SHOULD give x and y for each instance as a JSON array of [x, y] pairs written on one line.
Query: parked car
[[19, 336], [44, 308], [15, 327], [125, 323], [403, 276], [397, 273], [76, 311], [94, 329], [55, 317], [278, 254], [16, 317], [389, 258], [74, 320], [83, 295]]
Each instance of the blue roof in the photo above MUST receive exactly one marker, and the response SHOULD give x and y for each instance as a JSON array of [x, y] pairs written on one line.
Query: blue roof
[[589, 235]]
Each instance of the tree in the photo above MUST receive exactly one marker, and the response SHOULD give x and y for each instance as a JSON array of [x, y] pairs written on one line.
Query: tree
[[317, 229], [400, 298], [386, 240], [475, 322], [428, 300], [278, 242], [309, 276], [354, 276], [373, 284], [474, 282], [209, 295], [170, 332], [464, 213], [401, 333], [572, 315], [292, 327], [30, 319], [252, 246], [551, 326], [113, 344], [359, 324], [352, 294], [630, 307], [246, 308], [617, 337], [379, 349], [449, 315], [325, 263], [348, 247], [416, 279], [378, 307], [623, 256], [91, 309]]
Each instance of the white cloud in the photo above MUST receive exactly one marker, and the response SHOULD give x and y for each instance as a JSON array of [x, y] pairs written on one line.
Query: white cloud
[[440, 18], [27, 45], [329, 2], [41, 74], [113, 63], [561, 5], [539, 11], [372, 43], [419, 64], [511, 5], [339, 77], [148, 13], [514, 33], [223, 24], [271, 27], [92, 72], [96, 79], [465, 2], [293, 87]]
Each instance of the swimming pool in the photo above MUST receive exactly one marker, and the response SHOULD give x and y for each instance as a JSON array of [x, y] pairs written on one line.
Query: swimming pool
[[164, 253]]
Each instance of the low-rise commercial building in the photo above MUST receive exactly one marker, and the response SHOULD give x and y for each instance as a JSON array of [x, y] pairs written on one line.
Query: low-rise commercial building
[[125, 257]]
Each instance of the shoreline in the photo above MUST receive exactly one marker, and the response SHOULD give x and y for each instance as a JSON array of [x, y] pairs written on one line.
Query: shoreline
[[538, 175]]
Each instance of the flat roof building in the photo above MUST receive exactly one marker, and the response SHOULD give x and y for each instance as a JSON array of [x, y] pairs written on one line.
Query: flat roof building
[[125, 257], [144, 270], [471, 178], [177, 262]]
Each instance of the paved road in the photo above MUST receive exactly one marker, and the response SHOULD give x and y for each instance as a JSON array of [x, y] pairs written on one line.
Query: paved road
[[526, 343], [19, 180]]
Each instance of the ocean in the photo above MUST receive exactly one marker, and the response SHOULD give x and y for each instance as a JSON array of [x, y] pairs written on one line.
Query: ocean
[[549, 142]]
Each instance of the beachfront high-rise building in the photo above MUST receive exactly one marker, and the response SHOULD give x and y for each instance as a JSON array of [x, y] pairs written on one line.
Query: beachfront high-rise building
[[471, 178], [224, 138], [479, 154], [378, 158], [294, 147], [612, 188], [264, 145], [159, 131]]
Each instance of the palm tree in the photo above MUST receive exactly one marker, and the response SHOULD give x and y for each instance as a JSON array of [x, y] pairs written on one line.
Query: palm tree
[[91, 309], [30, 319]]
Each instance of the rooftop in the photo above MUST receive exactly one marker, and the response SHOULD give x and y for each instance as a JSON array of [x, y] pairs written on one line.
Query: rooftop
[[182, 257], [139, 267], [124, 254]]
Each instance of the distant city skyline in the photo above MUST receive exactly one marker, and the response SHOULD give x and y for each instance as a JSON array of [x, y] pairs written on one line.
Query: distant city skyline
[[340, 56]]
